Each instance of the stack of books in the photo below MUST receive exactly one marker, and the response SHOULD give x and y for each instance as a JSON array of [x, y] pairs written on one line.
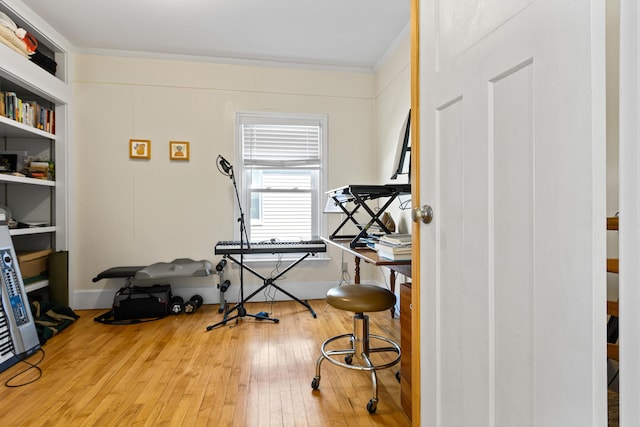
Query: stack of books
[[395, 247], [39, 170]]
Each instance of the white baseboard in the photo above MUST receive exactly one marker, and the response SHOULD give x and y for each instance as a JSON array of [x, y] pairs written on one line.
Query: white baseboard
[[103, 298]]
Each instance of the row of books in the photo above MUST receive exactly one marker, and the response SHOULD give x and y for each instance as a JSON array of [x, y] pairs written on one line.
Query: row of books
[[395, 247], [29, 113]]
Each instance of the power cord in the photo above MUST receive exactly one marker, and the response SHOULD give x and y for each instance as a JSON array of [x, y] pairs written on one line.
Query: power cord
[[269, 293], [345, 277], [31, 366], [405, 204]]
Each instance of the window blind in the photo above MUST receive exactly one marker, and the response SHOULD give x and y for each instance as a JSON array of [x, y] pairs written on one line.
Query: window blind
[[281, 145]]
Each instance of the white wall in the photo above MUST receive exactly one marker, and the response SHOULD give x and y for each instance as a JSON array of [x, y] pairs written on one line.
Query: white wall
[[393, 101], [137, 212]]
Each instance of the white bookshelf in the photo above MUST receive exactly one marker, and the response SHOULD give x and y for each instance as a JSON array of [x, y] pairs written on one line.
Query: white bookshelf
[[37, 200]]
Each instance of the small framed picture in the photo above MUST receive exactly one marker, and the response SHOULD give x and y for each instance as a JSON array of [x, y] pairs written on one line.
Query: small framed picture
[[139, 149], [179, 150]]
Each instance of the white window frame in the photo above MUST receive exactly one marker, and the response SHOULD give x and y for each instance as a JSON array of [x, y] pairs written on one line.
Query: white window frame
[[319, 221]]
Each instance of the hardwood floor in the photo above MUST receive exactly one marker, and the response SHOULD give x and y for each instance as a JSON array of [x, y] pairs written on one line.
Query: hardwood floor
[[173, 372]]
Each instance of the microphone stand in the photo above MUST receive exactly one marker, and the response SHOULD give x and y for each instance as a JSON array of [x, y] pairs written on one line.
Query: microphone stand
[[227, 170]]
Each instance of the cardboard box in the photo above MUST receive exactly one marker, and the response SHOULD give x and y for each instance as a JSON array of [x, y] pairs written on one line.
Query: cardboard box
[[33, 263]]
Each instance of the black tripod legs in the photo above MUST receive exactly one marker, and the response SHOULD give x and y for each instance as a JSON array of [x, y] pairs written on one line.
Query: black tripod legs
[[242, 312]]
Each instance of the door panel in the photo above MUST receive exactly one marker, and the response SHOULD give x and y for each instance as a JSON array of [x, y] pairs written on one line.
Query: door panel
[[450, 143], [629, 214], [512, 261], [471, 15], [512, 266]]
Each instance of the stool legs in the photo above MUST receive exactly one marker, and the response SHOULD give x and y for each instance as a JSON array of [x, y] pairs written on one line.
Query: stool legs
[[359, 346], [361, 336]]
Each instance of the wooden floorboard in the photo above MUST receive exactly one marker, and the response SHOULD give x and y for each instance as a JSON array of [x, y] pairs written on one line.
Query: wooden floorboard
[[173, 372]]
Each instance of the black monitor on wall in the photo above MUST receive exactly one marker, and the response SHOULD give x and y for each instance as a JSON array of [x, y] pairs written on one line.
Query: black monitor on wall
[[402, 159]]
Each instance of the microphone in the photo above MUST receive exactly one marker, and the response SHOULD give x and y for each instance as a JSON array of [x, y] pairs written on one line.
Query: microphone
[[224, 164]]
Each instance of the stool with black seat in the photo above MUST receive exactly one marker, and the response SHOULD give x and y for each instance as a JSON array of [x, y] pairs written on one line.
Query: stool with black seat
[[356, 355]]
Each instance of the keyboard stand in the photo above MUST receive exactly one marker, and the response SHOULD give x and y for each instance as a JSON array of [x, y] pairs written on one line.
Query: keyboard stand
[[271, 281], [359, 195]]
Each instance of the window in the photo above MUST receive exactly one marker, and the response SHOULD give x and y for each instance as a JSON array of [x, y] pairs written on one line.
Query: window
[[282, 160]]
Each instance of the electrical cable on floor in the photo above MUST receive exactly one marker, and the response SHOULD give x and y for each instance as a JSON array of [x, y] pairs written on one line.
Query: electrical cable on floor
[[270, 298], [30, 367]]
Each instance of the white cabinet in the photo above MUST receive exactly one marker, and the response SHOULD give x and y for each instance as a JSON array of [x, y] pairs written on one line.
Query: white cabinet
[[36, 201]]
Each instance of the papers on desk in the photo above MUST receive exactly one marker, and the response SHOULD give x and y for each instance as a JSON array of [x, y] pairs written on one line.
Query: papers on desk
[[394, 247], [395, 257], [396, 239]]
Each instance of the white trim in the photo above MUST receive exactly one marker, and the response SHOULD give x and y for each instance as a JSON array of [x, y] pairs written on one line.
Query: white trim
[[629, 230], [268, 63], [103, 298], [391, 49]]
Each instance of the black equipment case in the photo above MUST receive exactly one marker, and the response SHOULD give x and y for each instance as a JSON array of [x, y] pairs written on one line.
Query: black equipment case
[[133, 303]]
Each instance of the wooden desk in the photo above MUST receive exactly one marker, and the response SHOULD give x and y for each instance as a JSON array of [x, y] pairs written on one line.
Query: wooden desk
[[370, 256], [405, 345], [402, 267]]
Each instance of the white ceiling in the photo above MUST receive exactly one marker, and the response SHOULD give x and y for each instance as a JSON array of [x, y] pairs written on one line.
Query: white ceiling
[[346, 34]]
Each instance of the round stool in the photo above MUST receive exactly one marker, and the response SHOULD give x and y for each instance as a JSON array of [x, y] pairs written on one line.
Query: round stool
[[359, 299]]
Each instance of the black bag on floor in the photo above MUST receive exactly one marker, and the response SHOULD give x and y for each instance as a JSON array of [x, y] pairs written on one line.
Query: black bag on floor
[[51, 319], [135, 304]]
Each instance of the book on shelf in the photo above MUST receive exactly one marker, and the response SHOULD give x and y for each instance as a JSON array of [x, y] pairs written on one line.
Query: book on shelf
[[394, 257], [396, 239]]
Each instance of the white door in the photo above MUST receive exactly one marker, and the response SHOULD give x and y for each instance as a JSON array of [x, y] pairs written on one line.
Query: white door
[[512, 160]]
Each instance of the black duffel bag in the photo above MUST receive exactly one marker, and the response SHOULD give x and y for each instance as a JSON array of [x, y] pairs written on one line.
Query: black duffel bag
[[135, 304]]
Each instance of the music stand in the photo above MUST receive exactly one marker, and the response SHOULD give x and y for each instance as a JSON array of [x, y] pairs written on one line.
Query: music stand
[[226, 169]]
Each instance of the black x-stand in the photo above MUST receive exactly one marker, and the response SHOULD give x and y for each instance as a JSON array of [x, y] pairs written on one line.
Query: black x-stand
[[226, 169]]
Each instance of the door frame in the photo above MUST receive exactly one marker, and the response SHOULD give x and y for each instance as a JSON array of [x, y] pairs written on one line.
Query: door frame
[[629, 228], [415, 198]]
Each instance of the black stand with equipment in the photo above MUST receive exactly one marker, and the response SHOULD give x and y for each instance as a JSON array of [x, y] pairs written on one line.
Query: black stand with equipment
[[359, 195], [271, 281], [226, 169]]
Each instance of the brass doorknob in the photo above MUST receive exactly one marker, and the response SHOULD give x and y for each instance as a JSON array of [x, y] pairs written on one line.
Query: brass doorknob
[[424, 214]]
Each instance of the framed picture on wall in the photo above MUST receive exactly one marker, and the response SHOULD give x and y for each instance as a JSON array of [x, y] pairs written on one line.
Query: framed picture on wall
[[179, 150], [139, 149]]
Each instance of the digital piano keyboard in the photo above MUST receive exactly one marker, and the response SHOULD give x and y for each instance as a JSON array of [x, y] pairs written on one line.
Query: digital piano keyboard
[[270, 247]]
